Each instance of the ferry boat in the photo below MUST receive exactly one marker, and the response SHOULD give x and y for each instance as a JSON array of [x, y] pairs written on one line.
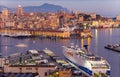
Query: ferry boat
[[88, 63]]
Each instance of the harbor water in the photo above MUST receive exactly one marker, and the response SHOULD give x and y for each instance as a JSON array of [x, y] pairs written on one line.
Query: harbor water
[[101, 38]]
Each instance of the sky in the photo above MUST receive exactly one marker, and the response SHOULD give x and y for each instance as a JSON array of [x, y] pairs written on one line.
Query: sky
[[108, 8]]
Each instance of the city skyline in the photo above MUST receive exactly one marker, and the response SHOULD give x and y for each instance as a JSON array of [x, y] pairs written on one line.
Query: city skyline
[[109, 8]]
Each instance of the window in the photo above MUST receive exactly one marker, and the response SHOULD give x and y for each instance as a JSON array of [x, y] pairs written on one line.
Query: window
[[45, 73], [28, 68]]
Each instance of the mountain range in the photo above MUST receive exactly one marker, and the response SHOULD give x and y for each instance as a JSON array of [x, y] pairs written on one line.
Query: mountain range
[[43, 8]]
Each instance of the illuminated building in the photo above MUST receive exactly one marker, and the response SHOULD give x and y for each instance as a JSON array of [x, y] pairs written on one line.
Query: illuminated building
[[10, 24], [20, 10], [118, 18], [5, 12], [81, 18], [93, 15]]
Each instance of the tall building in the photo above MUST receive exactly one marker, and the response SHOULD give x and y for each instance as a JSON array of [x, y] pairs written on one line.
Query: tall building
[[93, 15], [76, 14], [118, 18], [5, 12], [81, 18], [61, 21], [20, 10]]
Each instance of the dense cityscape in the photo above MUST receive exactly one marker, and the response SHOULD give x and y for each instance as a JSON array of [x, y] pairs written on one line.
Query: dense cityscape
[[60, 25]]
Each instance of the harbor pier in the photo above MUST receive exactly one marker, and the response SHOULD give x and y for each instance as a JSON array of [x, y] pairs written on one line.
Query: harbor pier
[[34, 32]]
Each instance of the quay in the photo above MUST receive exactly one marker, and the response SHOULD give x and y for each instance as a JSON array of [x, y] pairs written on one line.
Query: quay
[[37, 32], [115, 47], [34, 63], [52, 34]]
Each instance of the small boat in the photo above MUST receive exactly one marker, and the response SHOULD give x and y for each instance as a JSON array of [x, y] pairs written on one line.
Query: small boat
[[21, 45], [115, 47]]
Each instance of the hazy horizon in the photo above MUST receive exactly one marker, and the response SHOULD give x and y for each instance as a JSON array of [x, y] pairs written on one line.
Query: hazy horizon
[[108, 8]]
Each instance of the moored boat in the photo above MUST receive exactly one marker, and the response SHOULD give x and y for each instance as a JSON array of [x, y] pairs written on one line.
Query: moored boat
[[87, 62], [115, 47]]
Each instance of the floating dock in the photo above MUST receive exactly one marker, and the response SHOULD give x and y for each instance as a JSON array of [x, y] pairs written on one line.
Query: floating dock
[[115, 47]]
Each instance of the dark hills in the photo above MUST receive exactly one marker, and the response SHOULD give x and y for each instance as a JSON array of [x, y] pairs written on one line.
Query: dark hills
[[43, 8]]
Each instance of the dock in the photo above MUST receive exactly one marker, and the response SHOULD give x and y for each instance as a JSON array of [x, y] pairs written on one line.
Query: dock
[[115, 47], [35, 32], [43, 63]]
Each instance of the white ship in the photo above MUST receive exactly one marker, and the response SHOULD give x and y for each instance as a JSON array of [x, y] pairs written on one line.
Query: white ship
[[88, 63]]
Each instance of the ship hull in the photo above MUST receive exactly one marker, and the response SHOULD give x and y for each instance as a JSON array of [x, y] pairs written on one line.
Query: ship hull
[[85, 70]]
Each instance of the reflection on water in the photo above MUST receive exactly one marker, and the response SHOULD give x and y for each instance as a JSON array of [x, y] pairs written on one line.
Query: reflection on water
[[96, 41], [110, 31], [6, 49], [111, 35], [85, 41], [82, 42], [89, 42], [96, 33]]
